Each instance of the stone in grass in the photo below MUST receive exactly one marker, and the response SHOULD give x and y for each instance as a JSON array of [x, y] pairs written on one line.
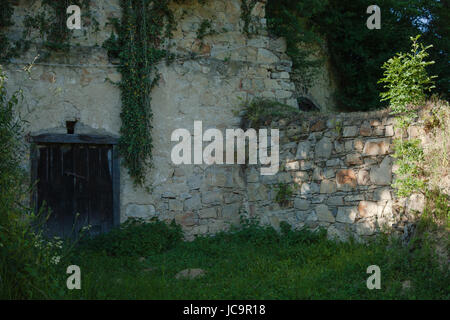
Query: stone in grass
[[190, 274], [406, 286]]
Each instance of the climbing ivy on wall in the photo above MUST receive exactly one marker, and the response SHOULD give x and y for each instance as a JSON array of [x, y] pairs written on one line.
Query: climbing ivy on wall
[[141, 33], [7, 49], [46, 28], [50, 22], [246, 9], [139, 42]]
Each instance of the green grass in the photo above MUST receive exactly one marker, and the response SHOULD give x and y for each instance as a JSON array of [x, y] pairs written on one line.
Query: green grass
[[256, 263]]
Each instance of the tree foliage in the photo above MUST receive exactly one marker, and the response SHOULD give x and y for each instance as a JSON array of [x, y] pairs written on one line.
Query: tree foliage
[[357, 53]]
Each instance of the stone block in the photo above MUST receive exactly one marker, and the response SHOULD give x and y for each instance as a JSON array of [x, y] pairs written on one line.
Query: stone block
[[207, 213], [317, 125], [256, 192], [365, 228], [329, 173], [346, 214], [354, 197], [186, 219], [353, 159], [382, 194], [334, 233], [333, 162], [284, 177], [345, 179], [358, 144], [303, 150], [415, 203], [193, 203], [300, 176], [376, 147], [175, 205], [363, 178], [335, 201], [367, 209], [309, 188], [143, 211], [323, 148], [301, 204], [231, 210], [212, 197], [339, 147], [280, 75], [366, 129], [195, 182], [200, 230], [317, 174], [305, 165], [327, 186], [292, 166], [382, 175], [267, 57], [324, 214], [351, 131], [389, 131], [232, 197]]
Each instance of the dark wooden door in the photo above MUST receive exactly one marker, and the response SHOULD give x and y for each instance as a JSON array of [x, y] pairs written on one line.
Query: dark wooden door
[[75, 184]]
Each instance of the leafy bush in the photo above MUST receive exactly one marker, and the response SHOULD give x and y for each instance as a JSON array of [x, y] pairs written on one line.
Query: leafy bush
[[136, 238], [409, 158], [406, 80]]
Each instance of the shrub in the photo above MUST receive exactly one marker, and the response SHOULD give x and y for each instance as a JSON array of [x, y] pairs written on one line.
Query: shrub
[[406, 80], [136, 238]]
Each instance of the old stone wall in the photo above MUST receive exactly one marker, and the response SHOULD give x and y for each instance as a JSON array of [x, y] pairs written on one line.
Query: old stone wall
[[339, 169]]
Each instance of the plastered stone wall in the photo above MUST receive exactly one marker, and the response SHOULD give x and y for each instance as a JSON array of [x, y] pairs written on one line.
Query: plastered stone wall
[[228, 67]]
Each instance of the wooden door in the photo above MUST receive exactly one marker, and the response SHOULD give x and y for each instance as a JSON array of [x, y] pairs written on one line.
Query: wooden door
[[75, 183]]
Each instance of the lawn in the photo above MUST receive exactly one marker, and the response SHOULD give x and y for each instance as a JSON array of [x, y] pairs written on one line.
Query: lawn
[[140, 261]]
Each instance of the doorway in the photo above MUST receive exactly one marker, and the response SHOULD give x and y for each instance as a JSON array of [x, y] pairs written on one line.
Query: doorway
[[77, 181]]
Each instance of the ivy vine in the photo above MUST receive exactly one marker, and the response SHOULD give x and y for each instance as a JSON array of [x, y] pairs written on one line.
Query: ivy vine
[[246, 10], [7, 49], [49, 22], [205, 29], [138, 43]]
